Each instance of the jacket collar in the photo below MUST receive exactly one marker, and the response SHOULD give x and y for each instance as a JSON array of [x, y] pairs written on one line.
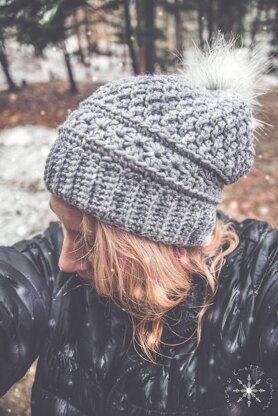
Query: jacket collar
[[182, 319]]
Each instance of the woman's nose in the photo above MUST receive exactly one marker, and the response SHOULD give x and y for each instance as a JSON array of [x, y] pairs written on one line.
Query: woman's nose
[[70, 259]]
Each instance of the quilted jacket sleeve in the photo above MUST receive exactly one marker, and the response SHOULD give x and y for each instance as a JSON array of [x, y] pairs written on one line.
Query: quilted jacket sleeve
[[266, 329], [27, 273]]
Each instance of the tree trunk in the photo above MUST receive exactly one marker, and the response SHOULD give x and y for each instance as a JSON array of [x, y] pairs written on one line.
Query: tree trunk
[[201, 23], [178, 27], [79, 42], [140, 35], [88, 32], [230, 16], [38, 53], [5, 66], [274, 41], [256, 22], [129, 39], [73, 87], [149, 12], [223, 15], [239, 11], [210, 14]]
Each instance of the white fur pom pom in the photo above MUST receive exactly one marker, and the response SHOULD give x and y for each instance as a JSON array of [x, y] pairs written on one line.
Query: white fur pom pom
[[226, 67]]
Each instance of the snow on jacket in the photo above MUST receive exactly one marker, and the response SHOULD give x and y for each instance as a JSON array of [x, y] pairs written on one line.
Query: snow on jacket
[[84, 366]]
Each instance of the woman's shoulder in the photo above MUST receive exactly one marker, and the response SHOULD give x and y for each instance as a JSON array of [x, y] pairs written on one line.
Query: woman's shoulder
[[33, 257]]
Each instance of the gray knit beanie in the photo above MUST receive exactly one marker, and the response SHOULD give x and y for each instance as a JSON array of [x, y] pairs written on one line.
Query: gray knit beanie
[[150, 154]]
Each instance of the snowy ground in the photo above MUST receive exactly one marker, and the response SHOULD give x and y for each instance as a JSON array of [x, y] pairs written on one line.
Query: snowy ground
[[24, 206]]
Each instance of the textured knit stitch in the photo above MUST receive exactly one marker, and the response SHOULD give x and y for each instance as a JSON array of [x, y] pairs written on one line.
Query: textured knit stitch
[[150, 154]]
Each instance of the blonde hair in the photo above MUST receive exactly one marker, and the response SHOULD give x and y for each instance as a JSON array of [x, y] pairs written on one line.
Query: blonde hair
[[147, 279]]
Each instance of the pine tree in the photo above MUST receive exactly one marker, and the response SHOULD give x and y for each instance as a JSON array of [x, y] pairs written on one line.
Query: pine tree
[[39, 23]]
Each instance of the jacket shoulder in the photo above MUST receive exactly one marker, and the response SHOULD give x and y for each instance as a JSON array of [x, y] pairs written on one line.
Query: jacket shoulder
[[28, 270], [257, 249], [256, 231], [250, 228], [51, 238]]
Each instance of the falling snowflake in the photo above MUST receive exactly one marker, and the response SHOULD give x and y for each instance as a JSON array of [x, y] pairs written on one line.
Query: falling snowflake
[[248, 390]]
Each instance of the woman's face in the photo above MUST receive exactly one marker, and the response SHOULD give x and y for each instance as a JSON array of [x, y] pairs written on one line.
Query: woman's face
[[71, 221]]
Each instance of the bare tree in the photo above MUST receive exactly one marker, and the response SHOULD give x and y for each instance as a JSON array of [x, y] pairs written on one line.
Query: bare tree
[[201, 16], [149, 9], [210, 17], [129, 37], [78, 36], [257, 20], [178, 26], [230, 15], [73, 86], [87, 29], [146, 29], [274, 40], [139, 32], [5, 65]]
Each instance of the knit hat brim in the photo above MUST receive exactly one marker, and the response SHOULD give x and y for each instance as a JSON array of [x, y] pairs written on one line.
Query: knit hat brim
[[132, 201]]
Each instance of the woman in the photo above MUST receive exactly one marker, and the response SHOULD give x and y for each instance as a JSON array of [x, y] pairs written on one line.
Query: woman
[[146, 300]]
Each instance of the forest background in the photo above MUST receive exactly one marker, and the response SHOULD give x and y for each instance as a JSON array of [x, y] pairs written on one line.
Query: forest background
[[55, 53]]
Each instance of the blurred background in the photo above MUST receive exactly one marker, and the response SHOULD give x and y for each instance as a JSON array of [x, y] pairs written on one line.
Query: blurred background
[[55, 53]]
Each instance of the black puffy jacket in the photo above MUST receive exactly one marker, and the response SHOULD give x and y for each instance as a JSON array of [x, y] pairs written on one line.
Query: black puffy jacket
[[85, 368]]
